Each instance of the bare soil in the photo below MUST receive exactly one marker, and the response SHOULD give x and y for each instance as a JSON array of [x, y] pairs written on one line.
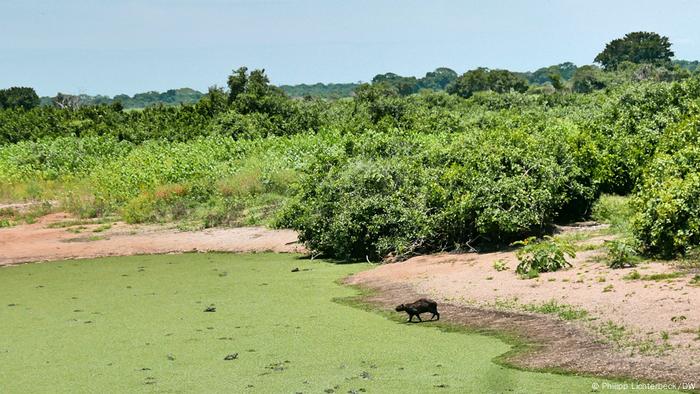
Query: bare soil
[[46, 240]]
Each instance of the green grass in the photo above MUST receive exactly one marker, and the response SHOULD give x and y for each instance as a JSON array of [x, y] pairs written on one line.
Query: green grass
[[664, 276], [137, 324], [615, 211], [563, 311]]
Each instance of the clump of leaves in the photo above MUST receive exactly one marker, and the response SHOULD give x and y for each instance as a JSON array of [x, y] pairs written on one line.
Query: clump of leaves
[[500, 265], [621, 254], [546, 255]]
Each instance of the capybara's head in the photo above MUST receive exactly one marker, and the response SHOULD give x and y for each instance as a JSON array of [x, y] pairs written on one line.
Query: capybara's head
[[400, 308]]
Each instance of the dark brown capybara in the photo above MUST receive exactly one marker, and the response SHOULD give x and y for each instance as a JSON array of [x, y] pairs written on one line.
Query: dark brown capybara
[[421, 306]]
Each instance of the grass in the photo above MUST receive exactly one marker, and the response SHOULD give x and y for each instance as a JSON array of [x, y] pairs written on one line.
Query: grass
[[552, 307], [78, 222], [635, 275], [615, 211], [664, 276], [10, 217], [137, 324]]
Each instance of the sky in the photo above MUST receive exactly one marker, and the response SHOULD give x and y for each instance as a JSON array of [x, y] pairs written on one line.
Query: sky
[[130, 46]]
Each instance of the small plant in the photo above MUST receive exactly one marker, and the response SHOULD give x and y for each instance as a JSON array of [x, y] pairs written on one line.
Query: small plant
[[634, 275], [696, 280], [102, 228], [608, 289], [621, 254], [613, 331], [664, 335], [547, 255], [500, 265], [564, 311]]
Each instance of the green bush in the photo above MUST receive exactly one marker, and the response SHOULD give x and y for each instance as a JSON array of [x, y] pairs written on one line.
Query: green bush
[[399, 193], [546, 255], [613, 210], [621, 254], [667, 222], [364, 209]]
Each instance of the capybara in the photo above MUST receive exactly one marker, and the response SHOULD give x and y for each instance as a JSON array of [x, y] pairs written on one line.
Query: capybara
[[421, 306]]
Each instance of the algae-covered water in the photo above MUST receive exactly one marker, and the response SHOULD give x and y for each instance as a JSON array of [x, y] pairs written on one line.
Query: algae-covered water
[[137, 324]]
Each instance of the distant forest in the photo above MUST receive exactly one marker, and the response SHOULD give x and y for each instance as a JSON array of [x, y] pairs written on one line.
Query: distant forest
[[439, 79], [139, 100]]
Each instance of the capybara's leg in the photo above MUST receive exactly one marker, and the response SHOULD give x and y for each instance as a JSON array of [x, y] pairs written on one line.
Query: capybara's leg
[[419, 319], [410, 317]]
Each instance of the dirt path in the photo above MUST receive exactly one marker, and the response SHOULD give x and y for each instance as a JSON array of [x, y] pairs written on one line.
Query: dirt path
[[50, 238]]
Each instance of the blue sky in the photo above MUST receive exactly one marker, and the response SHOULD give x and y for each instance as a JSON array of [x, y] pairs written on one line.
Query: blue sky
[[129, 46]]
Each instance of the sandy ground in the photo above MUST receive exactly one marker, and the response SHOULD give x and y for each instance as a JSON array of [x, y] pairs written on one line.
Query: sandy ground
[[646, 309], [40, 242]]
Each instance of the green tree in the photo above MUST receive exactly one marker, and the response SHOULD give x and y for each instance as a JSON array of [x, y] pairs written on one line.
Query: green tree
[[19, 97], [557, 83], [481, 79], [66, 101], [542, 75], [404, 85], [587, 79], [438, 79], [637, 47], [237, 83]]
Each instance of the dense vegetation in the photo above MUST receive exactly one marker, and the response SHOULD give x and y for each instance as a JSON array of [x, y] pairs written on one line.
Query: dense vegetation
[[139, 100], [480, 159], [321, 90]]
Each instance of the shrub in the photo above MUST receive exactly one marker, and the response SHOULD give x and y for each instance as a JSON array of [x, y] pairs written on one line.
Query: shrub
[[546, 255], [500, 265], [364, 209], [613, 210], [667, 222], [620, 254]]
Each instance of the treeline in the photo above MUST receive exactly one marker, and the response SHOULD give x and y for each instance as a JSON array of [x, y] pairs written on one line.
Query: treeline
[[329, 91], [140, 100], [481, 161]]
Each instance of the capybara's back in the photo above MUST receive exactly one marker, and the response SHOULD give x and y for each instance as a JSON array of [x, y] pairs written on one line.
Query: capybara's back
[[425, 305]]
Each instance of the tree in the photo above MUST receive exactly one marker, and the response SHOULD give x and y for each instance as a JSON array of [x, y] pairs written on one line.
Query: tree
[[587, 79], [481, 79], [19, 97], [66, 101], [557, 83], [404, 85], [438, 79], [381, 100], [237, 83], [637, 47], [542, 75]]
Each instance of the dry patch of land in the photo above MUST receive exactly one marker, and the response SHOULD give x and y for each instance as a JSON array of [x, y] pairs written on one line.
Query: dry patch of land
[[59, 236]]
